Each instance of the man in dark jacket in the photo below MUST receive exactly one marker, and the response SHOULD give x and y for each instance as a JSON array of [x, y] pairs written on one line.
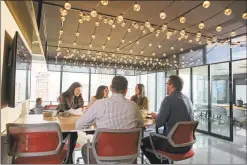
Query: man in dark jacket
[[174, 108]]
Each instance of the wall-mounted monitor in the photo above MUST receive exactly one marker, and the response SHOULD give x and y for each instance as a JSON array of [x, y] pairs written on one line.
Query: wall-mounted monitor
[[19, 70]]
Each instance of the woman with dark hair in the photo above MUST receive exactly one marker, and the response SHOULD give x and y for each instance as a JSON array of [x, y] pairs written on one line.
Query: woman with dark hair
[[70, 100], [102, 92], [139, 98]]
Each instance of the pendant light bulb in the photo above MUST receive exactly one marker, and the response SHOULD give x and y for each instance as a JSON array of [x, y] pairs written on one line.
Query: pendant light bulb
[[162, 15], [182, 20], [137, 7], [206, 4]]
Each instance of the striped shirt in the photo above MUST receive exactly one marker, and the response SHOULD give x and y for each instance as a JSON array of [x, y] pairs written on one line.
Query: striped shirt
[[115, 112]]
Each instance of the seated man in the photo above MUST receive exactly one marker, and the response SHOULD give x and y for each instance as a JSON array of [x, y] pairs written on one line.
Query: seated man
[[174, 108], [38, 109], [115, 112]]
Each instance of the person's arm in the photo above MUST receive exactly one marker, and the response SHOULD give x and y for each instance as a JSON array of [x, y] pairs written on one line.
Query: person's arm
[[164, 113], [92, 100], [87, 119]]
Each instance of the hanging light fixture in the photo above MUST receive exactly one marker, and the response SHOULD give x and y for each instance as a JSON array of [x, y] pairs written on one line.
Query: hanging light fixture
[[136, 26], [164, 54], [147, 24], [157, 35], [93, 36], [153, 54], [108, 38], [190, 41], [74, 44], [122, 40], [142, 52], [233, 33], [172, 48], [137, 7], [67, 5], [162, 15], [182, 20], [94, 13], [63, 12], [244, 15], [129, 30], [120, 18], [90, 46], [179, 38], [103, 47], [97, 23], [151, 29], [159, 46], [110, 22], [218, 28], [198, 35], [144, 31], [228, 12], [201, 25], [141, 27], [123, 24], [131, 51], [77, 34], [118, 49], [61, 32], [206, 4], [150, 44], [59, 42], [113, 26], [88, 18], [164, 27], [62, 18], [104, 2], [80, 20], [105, 20]]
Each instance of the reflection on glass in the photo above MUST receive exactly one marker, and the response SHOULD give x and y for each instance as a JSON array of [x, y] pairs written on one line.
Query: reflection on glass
[[100, 79], [83, 78], [161, 88], [185, 75], [20, 86], [200, 96], [239, 48], [220, 99]]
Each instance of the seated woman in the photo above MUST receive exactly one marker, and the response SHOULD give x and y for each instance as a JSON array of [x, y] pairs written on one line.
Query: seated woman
[[139, 98], [102, 92], [71, 99]]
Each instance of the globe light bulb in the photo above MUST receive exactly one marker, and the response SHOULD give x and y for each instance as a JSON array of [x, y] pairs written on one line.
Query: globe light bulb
[[63, 12], [80, 20], [142, 52], [74, 44], [88, 18], [62, 18], [164, 27], [103, 47], [150, 44], [244, 15], [93, 36], [104, 2], [108, 38], [198, 35], [151, 29], [172, 48], [129, 30], [147, 23], [137, 7], [201, 25], [118, 49], [113, 26], [218, 28], [182, 20], [136, 26], [164, 55], [110, 22], [153, 54], [228, 12], [105, 20], [159, 46], [162, 15], [61, 32], [120, 18], [77, 34], [144, 32], [97, 23], [90, 46], [206, 4], [233, 33], [181, 49], [122, 40], [123, 24], [94, 13], [67, 5], [141, 27]]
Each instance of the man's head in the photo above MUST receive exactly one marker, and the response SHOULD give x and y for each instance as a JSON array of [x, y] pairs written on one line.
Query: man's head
[[119, 85], [38, 101], [174, 83]]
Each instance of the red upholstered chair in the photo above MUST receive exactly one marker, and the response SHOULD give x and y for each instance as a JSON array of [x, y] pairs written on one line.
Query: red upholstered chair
[[36, 143], [116, 145], [181, 135], [50, 107]]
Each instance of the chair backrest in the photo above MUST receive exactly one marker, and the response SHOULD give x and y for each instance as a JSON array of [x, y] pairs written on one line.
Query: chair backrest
[[26, 140], [116, 144], [50, 107], [183, 134]]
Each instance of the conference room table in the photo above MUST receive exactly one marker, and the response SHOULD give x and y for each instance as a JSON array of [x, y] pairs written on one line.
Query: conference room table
[[67, 124]]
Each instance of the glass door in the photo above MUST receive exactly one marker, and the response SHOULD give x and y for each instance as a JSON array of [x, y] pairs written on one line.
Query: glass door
[[220, 101]]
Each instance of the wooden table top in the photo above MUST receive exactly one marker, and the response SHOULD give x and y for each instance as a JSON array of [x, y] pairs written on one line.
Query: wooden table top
[[67, 124], [234, 107]]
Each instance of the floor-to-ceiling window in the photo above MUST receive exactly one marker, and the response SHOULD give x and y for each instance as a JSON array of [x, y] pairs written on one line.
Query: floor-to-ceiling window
[[131, 86], [151, 82], [83, 78], [100, 79], [185, 75], [161, 88], [200, 96]]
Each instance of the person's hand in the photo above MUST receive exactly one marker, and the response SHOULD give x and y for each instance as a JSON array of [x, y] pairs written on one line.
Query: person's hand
[[154, 115]]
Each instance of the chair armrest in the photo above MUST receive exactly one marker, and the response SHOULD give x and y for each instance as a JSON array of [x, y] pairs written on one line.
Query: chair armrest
[[152, 144], [89, 145]]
